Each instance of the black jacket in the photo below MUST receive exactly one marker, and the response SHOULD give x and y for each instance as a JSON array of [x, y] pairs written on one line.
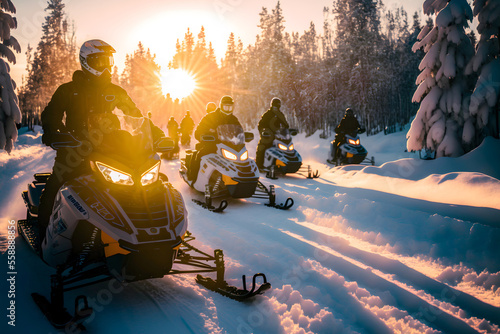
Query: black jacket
[[211, 121], [348, 124], [187, 125], [272, 120], [173, 128], [81, 97]]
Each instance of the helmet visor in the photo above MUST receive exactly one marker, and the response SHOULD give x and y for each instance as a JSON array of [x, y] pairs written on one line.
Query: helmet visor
[[227, 108], [100, 61]]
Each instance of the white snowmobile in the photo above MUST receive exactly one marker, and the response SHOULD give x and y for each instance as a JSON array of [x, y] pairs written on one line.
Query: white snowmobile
[[229, 172], [350, 152], [122, 220], [282, 157]]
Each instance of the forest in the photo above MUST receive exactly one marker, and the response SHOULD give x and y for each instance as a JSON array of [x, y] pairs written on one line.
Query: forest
[[383, 63], [361, 58]]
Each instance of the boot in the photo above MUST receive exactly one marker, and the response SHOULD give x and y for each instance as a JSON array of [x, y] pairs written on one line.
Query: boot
[[259, 157]]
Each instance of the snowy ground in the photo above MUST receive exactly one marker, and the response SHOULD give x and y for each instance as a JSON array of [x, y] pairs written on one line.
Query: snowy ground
[[407, 246]]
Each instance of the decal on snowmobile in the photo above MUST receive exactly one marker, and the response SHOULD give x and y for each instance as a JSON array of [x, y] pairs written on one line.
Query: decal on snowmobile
[[60, 227], [101, 211], [77, 205]]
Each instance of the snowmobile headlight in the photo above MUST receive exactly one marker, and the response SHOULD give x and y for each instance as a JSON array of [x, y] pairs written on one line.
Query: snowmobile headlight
[[151, 175], [244, 156], [229, 155], [114, 175], [352, 142], [291, 147], [357, 142], [282, 147]]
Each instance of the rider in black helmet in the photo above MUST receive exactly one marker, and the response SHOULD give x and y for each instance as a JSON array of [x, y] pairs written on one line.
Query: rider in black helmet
[[208, 126], [186, 128], [272, 120], [348, 124], [211, 106]]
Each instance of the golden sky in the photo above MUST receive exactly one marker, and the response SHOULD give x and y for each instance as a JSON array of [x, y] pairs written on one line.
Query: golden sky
[[159, 23]]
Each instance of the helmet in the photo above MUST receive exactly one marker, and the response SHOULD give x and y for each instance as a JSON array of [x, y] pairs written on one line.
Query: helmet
[[349, 112], [188, 113], [211, 107], [96, 57], [172, 118], [276, 102], [226, 104]]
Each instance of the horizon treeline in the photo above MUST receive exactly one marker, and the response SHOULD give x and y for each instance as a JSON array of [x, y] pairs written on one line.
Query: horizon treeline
[[360, 58]]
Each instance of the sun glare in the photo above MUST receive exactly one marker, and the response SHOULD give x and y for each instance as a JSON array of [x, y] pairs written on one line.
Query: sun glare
[[178, 83]]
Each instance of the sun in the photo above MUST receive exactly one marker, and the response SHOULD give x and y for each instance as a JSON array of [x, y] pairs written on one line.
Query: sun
[[176, 82]]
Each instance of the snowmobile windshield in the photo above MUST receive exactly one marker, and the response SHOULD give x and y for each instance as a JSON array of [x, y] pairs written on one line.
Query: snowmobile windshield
[[124, 137], [231, 135], [283, 135]]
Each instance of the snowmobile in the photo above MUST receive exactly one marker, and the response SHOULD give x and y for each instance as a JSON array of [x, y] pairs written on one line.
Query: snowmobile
[[282, 157], [122, 220], [350, 152], [229, 172]]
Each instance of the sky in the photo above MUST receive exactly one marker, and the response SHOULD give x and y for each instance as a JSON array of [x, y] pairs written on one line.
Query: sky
[[159, 23]]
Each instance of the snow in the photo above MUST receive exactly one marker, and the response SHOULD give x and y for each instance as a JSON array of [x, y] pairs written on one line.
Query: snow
[[406, 246], [9, 107]]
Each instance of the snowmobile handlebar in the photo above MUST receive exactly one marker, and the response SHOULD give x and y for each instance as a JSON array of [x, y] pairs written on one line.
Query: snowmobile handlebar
[[164, 144], [60, 140], [207, 138]]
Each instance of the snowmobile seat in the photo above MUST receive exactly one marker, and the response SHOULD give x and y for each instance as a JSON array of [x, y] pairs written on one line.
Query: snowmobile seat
[[34, 193], [189, 157], [41, 177]]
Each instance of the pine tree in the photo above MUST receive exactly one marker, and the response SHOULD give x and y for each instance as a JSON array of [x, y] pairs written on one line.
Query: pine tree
[[141, 79], [194, 57], [443, 90], [52, 63], [9, 105]]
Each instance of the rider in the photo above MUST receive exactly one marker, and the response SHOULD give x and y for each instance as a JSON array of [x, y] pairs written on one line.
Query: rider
[[73, 103], [173, 132], [348, 124], [186, 128], [208, 126], [211, 106], [271, 121]]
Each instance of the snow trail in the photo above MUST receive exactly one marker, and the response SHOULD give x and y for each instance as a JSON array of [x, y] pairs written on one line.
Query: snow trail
[[342, 259]]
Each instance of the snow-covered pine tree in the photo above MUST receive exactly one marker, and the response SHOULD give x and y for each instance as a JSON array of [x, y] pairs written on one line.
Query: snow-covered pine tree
[[52, 63], [444, 90], [484, 104], [10, 113]]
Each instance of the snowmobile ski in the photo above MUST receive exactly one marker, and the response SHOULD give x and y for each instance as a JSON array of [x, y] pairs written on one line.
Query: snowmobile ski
[[263, 192], [222, 206], [233, 292], [309, 172], [197, 259], [59, 317]]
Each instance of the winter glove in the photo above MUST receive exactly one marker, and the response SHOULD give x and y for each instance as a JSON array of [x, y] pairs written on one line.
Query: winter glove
[[47, 138]]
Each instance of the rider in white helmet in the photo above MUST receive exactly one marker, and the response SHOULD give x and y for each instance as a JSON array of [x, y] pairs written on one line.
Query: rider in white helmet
[[90, 92]]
